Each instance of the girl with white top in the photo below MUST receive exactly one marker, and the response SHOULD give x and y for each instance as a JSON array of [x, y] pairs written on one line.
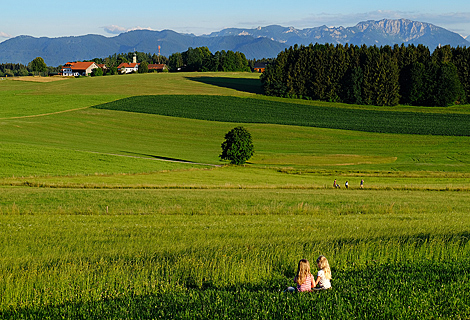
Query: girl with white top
[[323, 275]]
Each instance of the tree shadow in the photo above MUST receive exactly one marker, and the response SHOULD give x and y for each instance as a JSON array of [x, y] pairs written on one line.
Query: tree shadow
[[239, 84], [158, 157]]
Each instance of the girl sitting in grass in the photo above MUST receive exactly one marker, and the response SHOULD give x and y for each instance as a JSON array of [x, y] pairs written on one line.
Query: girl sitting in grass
[[323, 275], [303, 278]]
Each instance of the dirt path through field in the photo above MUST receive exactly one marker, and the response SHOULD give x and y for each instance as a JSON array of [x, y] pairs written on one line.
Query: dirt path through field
[[44, 114]]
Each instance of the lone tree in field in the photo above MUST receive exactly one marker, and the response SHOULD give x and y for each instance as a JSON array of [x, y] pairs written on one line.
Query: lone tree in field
[[238, 146], [38, 65]]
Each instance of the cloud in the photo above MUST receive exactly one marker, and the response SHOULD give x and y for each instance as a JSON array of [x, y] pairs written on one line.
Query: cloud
[[4, 35], [113, 29], [139, 28]]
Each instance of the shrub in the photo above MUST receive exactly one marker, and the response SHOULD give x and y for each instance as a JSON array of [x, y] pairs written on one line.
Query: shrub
[[97, 72]]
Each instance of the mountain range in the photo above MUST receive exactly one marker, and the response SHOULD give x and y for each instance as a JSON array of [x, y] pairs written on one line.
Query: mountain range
[[257, 43]]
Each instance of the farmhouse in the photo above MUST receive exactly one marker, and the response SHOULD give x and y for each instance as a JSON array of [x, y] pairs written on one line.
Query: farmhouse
[[128, 67], [259, 67], [75, 69], [102, 66], [157, 67]]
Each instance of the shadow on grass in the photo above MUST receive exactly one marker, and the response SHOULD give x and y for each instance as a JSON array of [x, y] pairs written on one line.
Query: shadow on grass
[[169, 304], [239, 84], [158, 157]]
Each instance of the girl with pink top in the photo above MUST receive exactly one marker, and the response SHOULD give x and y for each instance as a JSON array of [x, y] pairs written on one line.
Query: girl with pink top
[[303, 278]]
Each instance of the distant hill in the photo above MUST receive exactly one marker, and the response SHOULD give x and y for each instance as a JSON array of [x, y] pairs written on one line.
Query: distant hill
[[262, 42], [57, 51]]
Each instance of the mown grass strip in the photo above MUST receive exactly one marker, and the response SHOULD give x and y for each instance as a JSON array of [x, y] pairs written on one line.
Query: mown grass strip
[[21, 160], [230, 201], [250, 110]]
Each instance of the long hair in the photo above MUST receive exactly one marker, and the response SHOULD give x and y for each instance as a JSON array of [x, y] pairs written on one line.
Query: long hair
[[303, 270], [323, 264]]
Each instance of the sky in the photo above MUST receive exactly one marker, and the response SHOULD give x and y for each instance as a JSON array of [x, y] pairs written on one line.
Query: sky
[[54, 18]]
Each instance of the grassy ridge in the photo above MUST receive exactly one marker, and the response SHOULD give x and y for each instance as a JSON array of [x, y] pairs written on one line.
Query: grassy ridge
[[249, 110], [55, 96]]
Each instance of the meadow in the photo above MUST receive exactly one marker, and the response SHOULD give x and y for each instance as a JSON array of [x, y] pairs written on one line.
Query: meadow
[[115, 205]]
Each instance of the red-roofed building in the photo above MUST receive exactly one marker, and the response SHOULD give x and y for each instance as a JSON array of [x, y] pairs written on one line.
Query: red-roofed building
[[259, 67], [157, 67], [102, 66], [128, 67], [75, 69]]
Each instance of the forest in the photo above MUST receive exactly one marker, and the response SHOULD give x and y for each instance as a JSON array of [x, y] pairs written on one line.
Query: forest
[[201, 59], [382, 76], [18, 69]]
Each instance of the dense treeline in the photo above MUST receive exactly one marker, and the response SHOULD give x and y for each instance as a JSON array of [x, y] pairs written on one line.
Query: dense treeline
[[18, 69], [201, 59], [382, 76], [13, 69]]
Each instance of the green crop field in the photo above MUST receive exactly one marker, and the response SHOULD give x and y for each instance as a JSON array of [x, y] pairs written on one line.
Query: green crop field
[[114, 203]]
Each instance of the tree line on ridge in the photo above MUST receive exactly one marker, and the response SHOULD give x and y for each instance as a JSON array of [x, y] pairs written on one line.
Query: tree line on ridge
[[382, 76], [198, 59]]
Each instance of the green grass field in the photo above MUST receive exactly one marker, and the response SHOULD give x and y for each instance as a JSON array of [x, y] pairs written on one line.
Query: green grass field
[[115, 205]]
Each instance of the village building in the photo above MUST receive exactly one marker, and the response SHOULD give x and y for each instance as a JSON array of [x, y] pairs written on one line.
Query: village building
[[259, 67], [102, 66], [75, 69], [128, 67], [157, 67]]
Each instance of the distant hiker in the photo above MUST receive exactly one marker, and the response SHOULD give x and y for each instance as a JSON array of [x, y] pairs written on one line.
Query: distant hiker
[[335, 184], [323, 275], [346, 184], [362, 183]]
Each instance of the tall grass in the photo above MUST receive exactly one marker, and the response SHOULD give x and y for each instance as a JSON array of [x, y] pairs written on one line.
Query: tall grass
[[88, 266]]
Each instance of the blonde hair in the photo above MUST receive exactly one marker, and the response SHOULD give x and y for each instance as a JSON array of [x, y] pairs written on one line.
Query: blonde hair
[[323, 264], [303, 270]]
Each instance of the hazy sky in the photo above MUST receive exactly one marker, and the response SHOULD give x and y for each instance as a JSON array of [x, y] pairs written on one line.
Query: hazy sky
[[54, 18]]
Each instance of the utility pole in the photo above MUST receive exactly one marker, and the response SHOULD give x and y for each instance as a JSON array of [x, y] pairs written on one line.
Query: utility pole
[[159, 54]]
